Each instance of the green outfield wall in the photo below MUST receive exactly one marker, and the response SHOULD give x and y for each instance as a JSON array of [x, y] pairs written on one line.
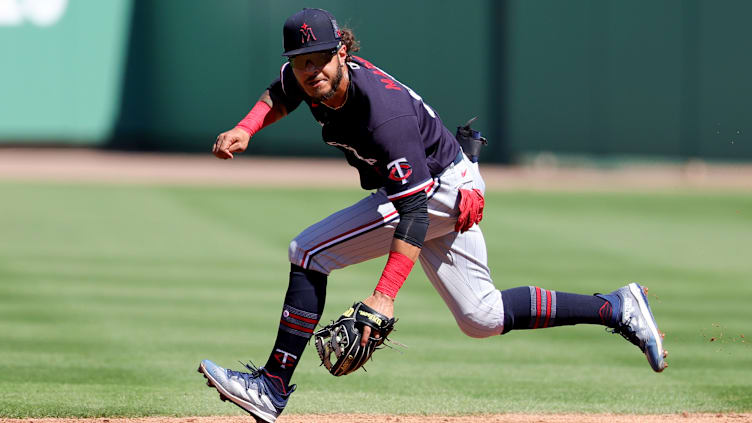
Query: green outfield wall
[[597, 77], [667, 78], [61, 69], [197, 68]]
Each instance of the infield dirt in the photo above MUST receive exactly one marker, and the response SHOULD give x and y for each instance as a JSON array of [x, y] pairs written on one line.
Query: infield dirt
[[485, 418]]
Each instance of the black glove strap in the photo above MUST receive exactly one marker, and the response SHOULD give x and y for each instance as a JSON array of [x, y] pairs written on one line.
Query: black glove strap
[[470, 140]]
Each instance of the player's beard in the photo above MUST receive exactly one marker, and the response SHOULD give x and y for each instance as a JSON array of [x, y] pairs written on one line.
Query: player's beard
[[333, 90]]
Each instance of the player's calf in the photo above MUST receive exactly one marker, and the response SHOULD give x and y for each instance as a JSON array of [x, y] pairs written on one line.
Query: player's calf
[[532, 307]]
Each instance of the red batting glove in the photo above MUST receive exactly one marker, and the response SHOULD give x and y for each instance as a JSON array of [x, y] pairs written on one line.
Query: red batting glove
[[471, 209]]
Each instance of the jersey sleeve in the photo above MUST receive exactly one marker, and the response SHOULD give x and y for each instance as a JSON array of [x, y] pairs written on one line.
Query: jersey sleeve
[[403, 161], [285, 89]]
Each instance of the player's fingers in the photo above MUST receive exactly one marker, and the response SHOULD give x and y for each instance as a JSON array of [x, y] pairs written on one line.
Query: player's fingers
[[235, 147], [223, 154], [217, 143], [223, 143], [366, 334], [227, 148], [225, 139]]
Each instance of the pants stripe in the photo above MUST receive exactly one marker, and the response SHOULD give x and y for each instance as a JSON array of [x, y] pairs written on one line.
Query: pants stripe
[[345, 236]]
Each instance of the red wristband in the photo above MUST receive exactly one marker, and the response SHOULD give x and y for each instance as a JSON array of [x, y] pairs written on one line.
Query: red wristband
[[395, 272], [254, 120]]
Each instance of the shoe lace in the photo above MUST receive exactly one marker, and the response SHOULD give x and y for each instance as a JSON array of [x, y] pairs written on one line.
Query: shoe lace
[[248, 378], [255, 371], [626, 330], [256, 377]]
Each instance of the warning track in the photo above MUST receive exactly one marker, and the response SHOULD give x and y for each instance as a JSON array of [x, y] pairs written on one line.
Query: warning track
[[85, 165]]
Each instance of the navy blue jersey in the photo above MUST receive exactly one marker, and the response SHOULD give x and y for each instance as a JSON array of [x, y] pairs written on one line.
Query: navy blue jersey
[[385, 130]]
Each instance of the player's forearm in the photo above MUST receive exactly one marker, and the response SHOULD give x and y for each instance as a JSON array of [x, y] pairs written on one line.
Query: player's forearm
[[410, 251], [264, 113], [277, 111], [406, 244], [402, 257]]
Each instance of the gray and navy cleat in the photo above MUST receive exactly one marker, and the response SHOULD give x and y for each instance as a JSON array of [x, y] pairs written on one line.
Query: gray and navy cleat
[[257, 392], [635, 322]]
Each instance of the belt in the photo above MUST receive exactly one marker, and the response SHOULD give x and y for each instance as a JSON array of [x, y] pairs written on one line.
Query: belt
[[458, 159]]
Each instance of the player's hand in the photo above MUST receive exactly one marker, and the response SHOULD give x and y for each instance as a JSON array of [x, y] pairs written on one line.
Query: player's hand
[[233, 141], [382, 303]]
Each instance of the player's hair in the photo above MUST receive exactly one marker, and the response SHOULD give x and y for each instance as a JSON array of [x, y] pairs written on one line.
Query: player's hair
[[348, 39]]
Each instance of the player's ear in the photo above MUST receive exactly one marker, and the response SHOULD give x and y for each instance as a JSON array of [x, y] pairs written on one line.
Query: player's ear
[[342, 54]]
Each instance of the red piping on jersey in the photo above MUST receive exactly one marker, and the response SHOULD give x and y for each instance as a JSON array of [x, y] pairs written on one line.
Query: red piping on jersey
[[426, 186]]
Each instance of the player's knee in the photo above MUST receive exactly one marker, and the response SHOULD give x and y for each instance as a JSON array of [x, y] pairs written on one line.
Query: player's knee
[[478, 324], [294, 252], [299, 254]]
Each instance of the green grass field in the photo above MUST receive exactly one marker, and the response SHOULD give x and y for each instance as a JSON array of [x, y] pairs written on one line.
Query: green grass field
[[111, 295]]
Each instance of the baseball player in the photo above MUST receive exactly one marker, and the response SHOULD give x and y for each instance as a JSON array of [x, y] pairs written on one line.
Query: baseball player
[[425, 206]]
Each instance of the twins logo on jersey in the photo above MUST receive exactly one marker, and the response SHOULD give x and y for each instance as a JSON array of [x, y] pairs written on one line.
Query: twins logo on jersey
[[399, 170]]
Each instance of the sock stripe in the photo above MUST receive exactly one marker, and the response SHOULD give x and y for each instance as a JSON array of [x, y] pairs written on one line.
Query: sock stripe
[[549, 298], [537, 307], [553, 307], [298, 322], [542, 308], [533, 312], [304, 319], [302, 313], [284, 325], [548, 308]]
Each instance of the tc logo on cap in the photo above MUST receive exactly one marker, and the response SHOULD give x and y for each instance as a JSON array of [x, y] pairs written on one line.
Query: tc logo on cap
[[307, 33]]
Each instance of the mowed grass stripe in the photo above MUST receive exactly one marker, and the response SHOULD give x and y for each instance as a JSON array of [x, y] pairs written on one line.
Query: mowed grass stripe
[[111, 295]]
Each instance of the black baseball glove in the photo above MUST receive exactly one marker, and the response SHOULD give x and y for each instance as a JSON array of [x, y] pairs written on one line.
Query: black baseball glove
[[343, 336]]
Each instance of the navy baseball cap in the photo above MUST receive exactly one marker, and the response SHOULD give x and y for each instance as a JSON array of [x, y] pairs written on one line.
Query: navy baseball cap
[[310, 30]]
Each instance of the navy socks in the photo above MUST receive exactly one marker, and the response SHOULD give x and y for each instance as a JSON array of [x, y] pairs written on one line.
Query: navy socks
[[532, 307], [304, 303]]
